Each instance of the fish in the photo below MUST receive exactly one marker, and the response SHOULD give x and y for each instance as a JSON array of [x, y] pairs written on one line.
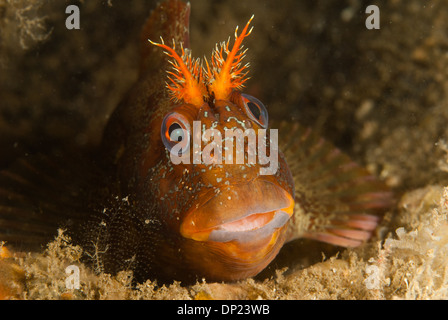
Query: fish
[[165, 196]]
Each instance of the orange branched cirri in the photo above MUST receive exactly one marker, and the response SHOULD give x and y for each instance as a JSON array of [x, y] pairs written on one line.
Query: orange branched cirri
[[225, 75], [186, 77], [192, 84]]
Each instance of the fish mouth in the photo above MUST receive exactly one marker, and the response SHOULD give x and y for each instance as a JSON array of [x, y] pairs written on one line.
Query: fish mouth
[[243, 213], [252, 227]]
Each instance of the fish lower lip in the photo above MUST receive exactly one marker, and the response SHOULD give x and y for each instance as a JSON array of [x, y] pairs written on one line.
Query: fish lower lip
[[231, 231], [244, 212]]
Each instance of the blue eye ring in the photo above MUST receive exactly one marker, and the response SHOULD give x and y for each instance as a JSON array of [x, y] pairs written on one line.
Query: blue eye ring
[[176, 129], [255, 110]]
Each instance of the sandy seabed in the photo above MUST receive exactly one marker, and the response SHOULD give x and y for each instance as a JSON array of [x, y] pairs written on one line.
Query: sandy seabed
[[379, 95]]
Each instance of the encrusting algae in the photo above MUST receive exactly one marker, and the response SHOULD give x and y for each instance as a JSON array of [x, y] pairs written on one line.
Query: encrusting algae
[[403, 266]]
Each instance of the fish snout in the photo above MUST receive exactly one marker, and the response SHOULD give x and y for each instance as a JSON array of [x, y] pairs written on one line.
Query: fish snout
[[242, 213]]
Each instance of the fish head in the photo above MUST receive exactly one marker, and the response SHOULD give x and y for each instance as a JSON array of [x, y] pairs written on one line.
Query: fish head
[[223, 196]]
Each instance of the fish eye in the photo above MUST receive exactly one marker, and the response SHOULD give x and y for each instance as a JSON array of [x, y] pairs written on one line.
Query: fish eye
[[176, 130], [255, 109]]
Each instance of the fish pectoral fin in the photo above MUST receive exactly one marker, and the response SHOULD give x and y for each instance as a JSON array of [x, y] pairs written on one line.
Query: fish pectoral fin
[[337, 200], [351, 232], [41, 193]]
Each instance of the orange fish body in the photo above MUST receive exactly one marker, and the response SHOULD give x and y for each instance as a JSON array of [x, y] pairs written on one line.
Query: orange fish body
[[219, 221], [178, 198]]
